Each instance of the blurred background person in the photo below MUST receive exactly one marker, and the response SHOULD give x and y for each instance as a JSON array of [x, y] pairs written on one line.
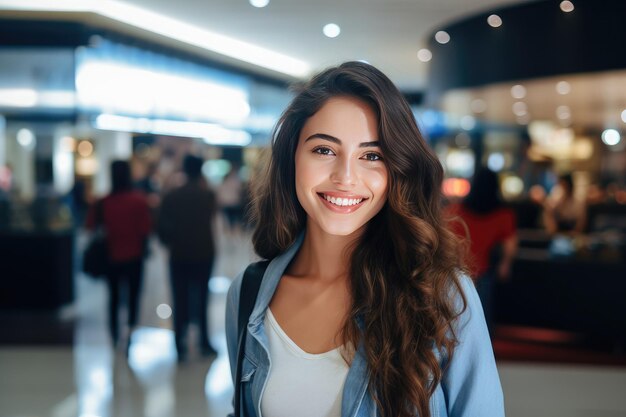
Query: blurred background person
[[563, 212], [125, 216], [230, 198], [185, 226], [486, 223]]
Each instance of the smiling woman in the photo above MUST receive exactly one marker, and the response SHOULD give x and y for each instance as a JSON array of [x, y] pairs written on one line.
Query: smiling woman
[[340, 171], [364, 308]]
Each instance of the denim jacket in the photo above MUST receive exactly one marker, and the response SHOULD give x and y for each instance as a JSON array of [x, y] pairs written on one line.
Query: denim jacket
[[470, 386]]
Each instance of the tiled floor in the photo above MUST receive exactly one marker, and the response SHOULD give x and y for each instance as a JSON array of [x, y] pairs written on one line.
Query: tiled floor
[[90, 379]]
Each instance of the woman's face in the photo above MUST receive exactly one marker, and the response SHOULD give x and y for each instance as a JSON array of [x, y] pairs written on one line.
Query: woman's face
[[341, 178]]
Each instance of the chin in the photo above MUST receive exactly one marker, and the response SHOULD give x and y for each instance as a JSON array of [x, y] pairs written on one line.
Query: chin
[[342, 230]]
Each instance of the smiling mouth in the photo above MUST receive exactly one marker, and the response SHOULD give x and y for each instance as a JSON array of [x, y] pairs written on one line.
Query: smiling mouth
[[342, 202]]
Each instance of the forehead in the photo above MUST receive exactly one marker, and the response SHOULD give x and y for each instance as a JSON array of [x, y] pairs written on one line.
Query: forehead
[[346, 118]]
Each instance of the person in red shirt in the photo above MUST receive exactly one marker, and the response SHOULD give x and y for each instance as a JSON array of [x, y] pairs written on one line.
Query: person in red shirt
[[483, 219], [126, 220]]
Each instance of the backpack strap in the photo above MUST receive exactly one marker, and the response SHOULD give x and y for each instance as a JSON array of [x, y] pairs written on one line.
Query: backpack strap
[[250, 284]]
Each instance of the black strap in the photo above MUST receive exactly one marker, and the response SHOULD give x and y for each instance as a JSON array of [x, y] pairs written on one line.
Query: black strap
[[250, 285]]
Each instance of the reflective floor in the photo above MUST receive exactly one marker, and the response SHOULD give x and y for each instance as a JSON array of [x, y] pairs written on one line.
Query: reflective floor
[[92, 379]]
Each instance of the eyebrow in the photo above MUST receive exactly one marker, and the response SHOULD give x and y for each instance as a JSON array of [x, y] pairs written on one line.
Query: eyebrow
[[333, 139]]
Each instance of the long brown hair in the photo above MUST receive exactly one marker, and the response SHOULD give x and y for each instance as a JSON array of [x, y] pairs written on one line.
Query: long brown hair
[[402, 310]]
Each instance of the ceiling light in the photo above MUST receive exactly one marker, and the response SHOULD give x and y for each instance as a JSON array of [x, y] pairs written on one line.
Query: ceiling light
[[332, 30], [127, 89], [563, 87], [563, 112], [495, 162], [442, 37], [513, 185], [624, 116], [26, 138], [67, 144], [171, 28], [467, 122], [567, 6], [164, 311], [494, 21], [210, 133], [424, 55], [611, 137], [520, 109], [259, 3], [518, 91], [18, 97], [478, 105], [85, 148]]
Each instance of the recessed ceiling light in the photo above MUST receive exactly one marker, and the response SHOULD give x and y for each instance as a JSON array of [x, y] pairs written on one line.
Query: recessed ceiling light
[[567, 6], [442, 37], [424, 55], [478, 105], [467, 122], [259, 3], [563, 112], [85, 148], [494, 21], [563, 87], [26, 138], [332, 30], [167, 26], [520, 109], [624, 116], [611, 137], [518, 91]]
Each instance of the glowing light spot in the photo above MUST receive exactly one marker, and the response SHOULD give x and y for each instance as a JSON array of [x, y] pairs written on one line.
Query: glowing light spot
[[424, 55], [442, 37], [331, 30], [494, 21], [563, 87], [611, 137], [567, 6], [164, 311], [518, 91]]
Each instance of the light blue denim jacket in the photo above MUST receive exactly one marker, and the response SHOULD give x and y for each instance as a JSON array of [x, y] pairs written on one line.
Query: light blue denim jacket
[[470, 386]]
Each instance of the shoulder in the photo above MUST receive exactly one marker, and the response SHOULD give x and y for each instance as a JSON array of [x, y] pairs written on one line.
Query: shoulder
[[466, 306], [464, 293], [137, 196]]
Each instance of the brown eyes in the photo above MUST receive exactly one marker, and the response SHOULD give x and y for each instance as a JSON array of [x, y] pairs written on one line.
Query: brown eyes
[[372, 156], [323, 150], [369, 156]]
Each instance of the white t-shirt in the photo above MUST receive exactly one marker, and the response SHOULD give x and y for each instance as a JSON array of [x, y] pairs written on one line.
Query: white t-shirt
[[300, 383]]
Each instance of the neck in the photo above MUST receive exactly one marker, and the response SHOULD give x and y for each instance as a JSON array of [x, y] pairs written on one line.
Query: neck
[[323, 256]]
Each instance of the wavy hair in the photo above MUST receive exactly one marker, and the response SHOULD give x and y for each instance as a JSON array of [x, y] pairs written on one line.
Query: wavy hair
[[402, 310]]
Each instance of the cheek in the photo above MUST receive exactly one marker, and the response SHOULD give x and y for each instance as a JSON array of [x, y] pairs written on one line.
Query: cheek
[[379, 184], [305, 180]]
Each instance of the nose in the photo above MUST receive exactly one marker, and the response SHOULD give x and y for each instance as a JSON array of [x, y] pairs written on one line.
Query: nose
[[343, 172]]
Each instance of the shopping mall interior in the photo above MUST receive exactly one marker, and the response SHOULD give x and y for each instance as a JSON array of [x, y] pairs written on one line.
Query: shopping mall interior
[[531, 90]]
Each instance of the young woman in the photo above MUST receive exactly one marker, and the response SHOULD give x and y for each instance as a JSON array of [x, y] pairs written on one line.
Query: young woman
[[363, 310], [487, 223]]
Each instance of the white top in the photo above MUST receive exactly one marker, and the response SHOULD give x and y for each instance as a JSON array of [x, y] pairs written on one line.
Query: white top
[[300, 383]]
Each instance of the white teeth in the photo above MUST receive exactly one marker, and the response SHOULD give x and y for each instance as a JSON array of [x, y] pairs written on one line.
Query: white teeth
[[343, 201]]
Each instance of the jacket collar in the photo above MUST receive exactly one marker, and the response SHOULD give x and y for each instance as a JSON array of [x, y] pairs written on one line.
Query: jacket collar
[[355, 388], [271, 278]]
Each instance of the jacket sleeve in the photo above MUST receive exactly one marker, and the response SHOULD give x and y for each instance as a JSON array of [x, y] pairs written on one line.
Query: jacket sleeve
[[471, 384], [232, 310]]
